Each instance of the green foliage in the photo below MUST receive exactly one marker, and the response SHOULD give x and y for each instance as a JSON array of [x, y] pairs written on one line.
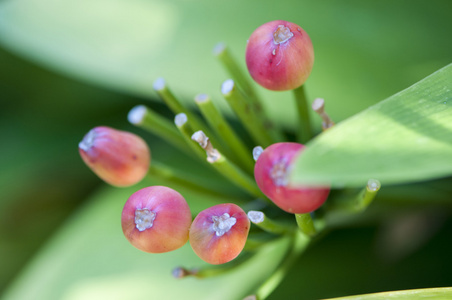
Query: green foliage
[[406, 138], [433, 294]]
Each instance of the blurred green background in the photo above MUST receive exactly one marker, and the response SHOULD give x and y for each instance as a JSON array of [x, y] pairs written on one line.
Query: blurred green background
[[69, 66]]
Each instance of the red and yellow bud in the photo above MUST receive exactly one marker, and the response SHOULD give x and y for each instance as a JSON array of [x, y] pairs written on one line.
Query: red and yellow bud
[[218, 234], [271, 172], [279, 55], [119, 158], [156, 219]]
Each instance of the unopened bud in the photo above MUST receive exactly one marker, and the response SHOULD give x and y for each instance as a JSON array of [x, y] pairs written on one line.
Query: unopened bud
[[119, 158]]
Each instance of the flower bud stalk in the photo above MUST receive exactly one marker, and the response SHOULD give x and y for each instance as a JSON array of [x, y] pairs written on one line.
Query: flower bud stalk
[[319, 107], [265, 223], [146, 118], [306, 224], [305, 130], [223, 54], [225, 167], [226, 133], [255, 126], [176, 106]]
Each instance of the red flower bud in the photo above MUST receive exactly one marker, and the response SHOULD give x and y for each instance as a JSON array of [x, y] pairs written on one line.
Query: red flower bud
[[156, 219], [119, 158], [279, 55], [271, 173], [218, 234]]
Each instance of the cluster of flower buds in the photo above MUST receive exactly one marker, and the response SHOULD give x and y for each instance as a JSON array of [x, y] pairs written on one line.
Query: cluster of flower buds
[[119, 158], [157, 219]]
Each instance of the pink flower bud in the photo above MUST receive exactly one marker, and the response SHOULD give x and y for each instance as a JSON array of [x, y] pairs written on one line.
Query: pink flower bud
[[218, 234], [156, 219], [279, 55], [119, 158], [271, 173]]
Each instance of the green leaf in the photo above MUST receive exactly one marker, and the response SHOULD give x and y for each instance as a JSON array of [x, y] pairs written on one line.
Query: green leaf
[[431, 294], [90, 258], [407, 137]]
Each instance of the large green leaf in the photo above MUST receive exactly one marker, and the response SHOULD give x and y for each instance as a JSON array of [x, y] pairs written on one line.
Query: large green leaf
[[90, 259], [407, 137], [432, 294]]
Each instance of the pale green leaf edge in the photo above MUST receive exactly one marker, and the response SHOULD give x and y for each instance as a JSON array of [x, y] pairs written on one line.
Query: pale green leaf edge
[[431, 293]]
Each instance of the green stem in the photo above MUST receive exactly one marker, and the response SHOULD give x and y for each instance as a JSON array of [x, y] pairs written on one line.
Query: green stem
[[305, 133], [175, 105], [223, 54], [151, 121], [160, 172], [306, 224], [359, 202], [219, 124], [318, 105], [300, 243], [168, 97], [242, 107], [211, 271], [265, 223], [366, 196], [230, 64], [372, 188], [225, 167], [237, 176], [182, 123]]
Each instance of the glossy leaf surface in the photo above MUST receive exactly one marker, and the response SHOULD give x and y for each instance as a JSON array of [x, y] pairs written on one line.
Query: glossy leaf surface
[[405, 138]]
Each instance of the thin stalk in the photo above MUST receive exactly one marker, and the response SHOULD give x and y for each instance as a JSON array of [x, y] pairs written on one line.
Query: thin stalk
[[305, 133], [265, 223], [181, 272], [372, 188], [360, 201], [168, 97], [318, 105], [182, 123], [223, 54], [151, 121], [220, 125], [211, 271], [306, 224], [241, 106], [175, 105], [230, 64], [225, 167], [237, 176], [166, 174]]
